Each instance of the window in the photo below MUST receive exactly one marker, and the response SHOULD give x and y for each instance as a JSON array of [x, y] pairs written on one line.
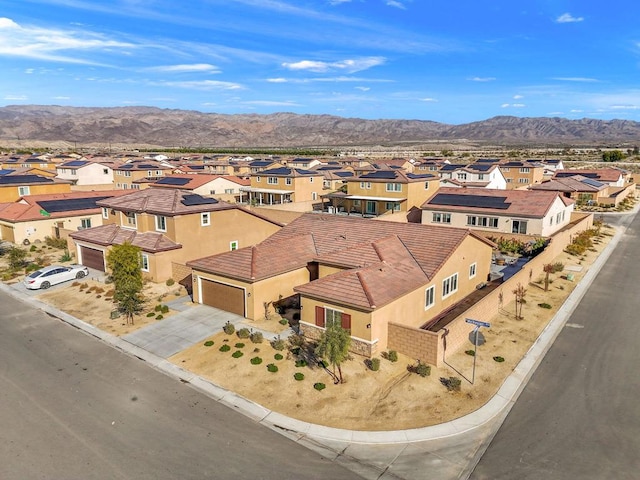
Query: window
[[509, 180], [393, 206], [287, 181], [258, 179], [310, 179], [472, 270], [105, 171], [394, 187], [462, 176], [272, 180], [126, 173], [332, 316], [365, 185], [85, 223], [441, 217], [474, 221], [429, 297], [551, 220], [426, 185], [158, 173], [161, 223], [205, 219], [22, 191], [523, 180], [105, 212], [228, 190], [506, 169], [233, 245], [74, 173], [481, 176], [149, 173], [356, 203], [519, 226], [525, 170], [144, 262], [314, 196], [559, 216], [450, 285], [130, 219]]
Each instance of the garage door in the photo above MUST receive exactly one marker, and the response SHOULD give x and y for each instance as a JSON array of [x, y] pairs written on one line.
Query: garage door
[[224, 297], [92, 258]]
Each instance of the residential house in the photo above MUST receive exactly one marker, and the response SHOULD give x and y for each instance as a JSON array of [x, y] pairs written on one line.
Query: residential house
[[611, 176], [298, 188], [87, 175], [475, 175], [12, 187], [138, 174], [257, 166], [222, 187], [383, 192], [360, 273], [585, 191], [526, 212], [521, 174], [171, 227], [44, 162], [34, 217], [300, 162]]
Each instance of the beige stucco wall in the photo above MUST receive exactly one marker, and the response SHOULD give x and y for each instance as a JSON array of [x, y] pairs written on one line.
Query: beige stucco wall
[[9, 193], [39, 229]]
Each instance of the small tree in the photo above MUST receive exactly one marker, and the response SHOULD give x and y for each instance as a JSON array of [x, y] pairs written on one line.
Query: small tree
[[548, 269], [334, 346], [17, 257], [124, 263], [520, 293]]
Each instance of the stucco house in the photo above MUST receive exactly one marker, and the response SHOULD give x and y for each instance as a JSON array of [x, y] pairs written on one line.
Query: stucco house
[[222, 187], [138, 174], [526, 212], [611, 176], [355, 271], [87, 174], [284, 185], [13, 187], [521, 174], [171, 227], [476, 175]]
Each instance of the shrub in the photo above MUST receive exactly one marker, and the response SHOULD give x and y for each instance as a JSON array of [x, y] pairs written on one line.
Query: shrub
[[301, 363], [557, 267], [544, 305], [256, 337], [239, 345], [165, 309], [170, 282], [33, 248], [228, 328], [319, 386], [498, 359], [278, 343], [55, 242], [208, 343], [374, 364], [272, 368], [283, 321], [392, 356], [256, 361], [452, 383], [225, 348], [278, 356], [237, 354], [243, 333], [470, 352], [159, 317], [158, 308], [298, 376], [421, 369], [151, 314]]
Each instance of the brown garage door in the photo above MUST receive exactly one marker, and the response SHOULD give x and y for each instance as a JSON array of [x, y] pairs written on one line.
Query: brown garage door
[[92, 258], [224, 297]]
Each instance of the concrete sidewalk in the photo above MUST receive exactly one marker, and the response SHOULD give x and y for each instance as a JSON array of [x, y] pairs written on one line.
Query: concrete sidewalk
[[446, 451]]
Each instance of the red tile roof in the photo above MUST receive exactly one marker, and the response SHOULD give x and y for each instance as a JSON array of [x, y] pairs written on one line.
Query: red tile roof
[[114, 235]]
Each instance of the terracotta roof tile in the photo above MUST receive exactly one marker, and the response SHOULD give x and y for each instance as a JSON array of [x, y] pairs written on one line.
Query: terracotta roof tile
[[114, 235]]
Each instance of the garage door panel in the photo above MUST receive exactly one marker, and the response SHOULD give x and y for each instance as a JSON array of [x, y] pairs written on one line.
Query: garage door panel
[[92, 258], [224, 297]]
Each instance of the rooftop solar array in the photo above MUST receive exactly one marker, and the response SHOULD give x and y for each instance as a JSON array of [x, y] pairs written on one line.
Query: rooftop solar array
[[380, 174], [190, 200], [480, 168], [70, 204], [6, 171], [343, 174], [75, 163], [300, 171], [479, 201], [128, 165], [148, 165], [196, 167], [415, 176], [593, 183], [487, 160], [573, 174], [15, 179], [173, 181], [260, 163], [452, 166]]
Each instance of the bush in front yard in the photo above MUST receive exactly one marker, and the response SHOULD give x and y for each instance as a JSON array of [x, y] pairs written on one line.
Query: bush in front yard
[[243, 333]]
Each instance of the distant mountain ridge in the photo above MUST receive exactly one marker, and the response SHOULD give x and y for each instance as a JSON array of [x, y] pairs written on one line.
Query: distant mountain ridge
[[187, 128]]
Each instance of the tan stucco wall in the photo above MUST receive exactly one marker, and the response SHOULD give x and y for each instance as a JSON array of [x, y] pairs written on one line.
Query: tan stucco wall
[[9, 193], [39, 229]]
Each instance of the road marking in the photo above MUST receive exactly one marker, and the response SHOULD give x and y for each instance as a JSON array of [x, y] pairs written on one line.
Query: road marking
[[574, 325]]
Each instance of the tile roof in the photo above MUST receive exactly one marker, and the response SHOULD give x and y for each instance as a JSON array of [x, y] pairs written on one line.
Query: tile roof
[[193, 180], [112, 234], [608, 175], [576, 183]]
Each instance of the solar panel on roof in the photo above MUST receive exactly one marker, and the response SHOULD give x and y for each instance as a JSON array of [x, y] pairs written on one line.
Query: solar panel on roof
[[593, 183], [13, 179], [381, 174], [196, 167], [414, 176], [300, 171], [6, 172], [75, 163], [480, 168], [573, 174], [126, 166], [147, 165], [344, 174], [190, 200], [173, 181], [277, 171], [480, 201], [70, 204]]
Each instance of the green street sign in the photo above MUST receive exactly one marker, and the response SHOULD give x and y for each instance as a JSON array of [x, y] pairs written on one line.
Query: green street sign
[[44, 213]]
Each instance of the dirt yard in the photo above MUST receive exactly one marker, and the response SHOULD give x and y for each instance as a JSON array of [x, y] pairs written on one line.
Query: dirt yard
[[391, 398]]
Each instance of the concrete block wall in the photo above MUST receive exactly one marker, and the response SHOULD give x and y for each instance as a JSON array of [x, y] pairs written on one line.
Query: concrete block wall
[[415, 342]]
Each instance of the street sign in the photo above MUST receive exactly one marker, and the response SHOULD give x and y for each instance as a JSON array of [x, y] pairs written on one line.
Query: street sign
[[477, 323], [44, 213]]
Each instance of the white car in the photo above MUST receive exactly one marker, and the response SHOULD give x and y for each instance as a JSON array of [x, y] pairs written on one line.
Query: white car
[[47, 276]]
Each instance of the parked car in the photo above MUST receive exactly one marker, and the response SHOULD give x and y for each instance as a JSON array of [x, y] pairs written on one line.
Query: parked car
[[47, 276]]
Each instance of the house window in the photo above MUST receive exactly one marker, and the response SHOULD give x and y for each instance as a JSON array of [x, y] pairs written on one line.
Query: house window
[[272, 180], [258, 179], [474, 221], [393, 206], [205, 219], [449, 285], [426, 185], [314, 196], [212, 192], [429, 297], [332, 316], [144, 262], [233, 245], [506, 169], [365, 185], [161, 223], [519, 226], [551, 220], [126, 173], [228, 190], [287, 181], [105, 212], [394, 187], [325, 316], [310, 179], [149, 173], [472, 270], [523, 180], [85, 223], [481, 176], [509, 180], [158, 173], [105, 171], [356, 203], [130, 219], [462, 176], [559, 217], [525, 170], [22, 191], [74, 173], [441, 217]]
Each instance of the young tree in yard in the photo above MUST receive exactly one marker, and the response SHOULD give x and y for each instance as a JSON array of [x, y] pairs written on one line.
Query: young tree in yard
[[548, 269], [17, 257], [520, 293], [124, 263], [334, 346]]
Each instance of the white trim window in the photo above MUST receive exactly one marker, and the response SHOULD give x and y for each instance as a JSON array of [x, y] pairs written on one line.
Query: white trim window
[[365, 185], [392, 206], [439, 217], [205, 219], [233, 245], [429, 297], [105, 212], [450, 285], [130, 219], [393, 187], [287, 181], [161, 223], [23, 190], [144, 262], [272, 180], [85, 223], [519, 226], [473, 269], [258, 179]]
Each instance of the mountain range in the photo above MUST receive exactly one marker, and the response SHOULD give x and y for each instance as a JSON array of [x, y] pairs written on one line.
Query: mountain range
[[187, 128]]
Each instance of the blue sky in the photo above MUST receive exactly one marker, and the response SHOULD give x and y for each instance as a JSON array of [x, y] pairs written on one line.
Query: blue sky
[[452, 62]]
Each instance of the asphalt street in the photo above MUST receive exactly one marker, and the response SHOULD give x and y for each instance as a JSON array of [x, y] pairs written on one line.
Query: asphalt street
[[74, 408], [579, 416]]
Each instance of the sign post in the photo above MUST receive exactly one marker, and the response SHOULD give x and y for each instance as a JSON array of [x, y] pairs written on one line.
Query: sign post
[[478, 324]]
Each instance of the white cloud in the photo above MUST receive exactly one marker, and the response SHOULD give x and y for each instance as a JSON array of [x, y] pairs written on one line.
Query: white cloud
[[350, 66], [8, 23], [201, 85], [568, 18], [29, 71], [518, 97], [61, 98], [482, 79], [575, 110], [196, 67], [328, 80], [16, 97], [395, 3], [577, 79], [271, 103], [625, 107], [428, 99], [364, 89], [277, 80], [513, 105], [338, 2]]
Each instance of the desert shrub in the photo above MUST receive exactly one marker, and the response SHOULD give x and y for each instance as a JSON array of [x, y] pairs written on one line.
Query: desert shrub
[[278, 343], [33, 248], [272, 368], [237, 354], [17, 257], [256, 361], [470, 352], [208, 343], [420, 368], [159, 317], [298, 376], [283, 321], [170, 282], [301, 363], [319, 386], [151, 314], [158, 308], [392, 356], [225, 348], [256, 337], [557, 267], [55, 242], [498, 359], [66, 256], [278, 356], [228, 328], [243, 333], [165, 309], [239, 345], [453, 384], [373, 364], [544, 305]]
